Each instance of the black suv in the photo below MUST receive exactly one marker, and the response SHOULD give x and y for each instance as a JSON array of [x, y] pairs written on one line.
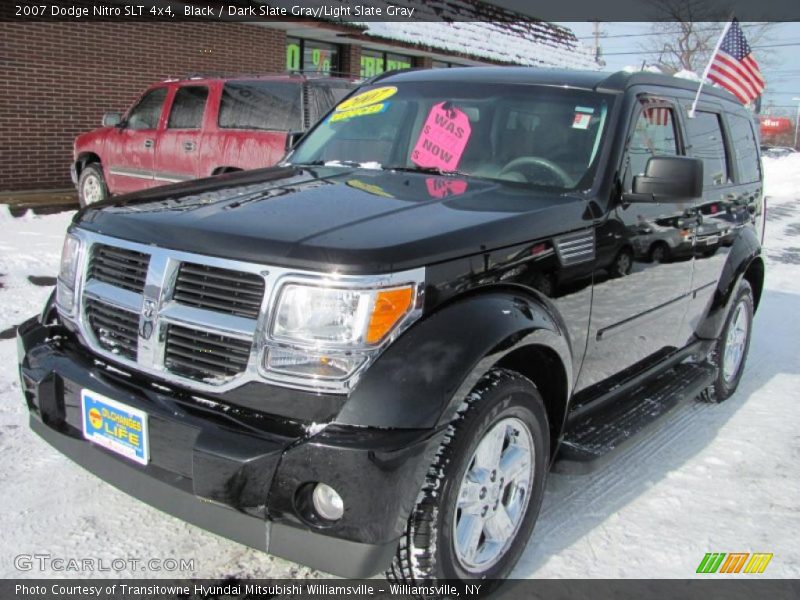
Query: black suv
[[369, 357]]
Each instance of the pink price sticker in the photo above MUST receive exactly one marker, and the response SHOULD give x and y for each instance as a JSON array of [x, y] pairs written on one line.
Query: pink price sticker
[[443, 138]]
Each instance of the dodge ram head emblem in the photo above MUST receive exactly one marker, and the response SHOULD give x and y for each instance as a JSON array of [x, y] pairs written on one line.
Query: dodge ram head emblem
[[146, 325]]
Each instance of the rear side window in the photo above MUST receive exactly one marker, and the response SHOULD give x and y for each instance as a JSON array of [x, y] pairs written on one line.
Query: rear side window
[[745, 145], [268, 105], [322, 96], [707, 143], [146, 113], [188, 108]]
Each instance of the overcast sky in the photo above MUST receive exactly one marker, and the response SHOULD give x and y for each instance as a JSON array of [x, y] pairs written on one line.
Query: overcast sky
[[621, 45]]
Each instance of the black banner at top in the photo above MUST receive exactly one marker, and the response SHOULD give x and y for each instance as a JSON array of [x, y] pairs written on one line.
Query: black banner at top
[[354, 11]]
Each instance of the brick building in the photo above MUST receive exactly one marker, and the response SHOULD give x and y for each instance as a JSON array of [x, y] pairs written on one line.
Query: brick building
[[60, 77]]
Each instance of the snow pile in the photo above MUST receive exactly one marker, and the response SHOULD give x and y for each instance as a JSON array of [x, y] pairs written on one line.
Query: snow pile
[[713, 478], [30, 245], [682, 74], [690, 75], [641, 69]]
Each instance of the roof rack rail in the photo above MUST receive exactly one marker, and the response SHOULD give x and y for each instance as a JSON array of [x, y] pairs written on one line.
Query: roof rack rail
[[385, 74]]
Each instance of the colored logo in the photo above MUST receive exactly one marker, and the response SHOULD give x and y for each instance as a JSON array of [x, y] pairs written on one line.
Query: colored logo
[[373, 96], [734, 562], [95, 418]]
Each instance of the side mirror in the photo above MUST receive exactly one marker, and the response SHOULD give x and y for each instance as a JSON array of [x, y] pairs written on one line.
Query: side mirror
[[112, 119], [292, 138], [668, 179]]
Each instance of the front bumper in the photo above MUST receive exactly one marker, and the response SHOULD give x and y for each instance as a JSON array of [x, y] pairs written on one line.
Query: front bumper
[[212, 467]]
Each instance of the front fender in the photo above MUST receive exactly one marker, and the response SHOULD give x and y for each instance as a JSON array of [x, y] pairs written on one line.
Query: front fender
[[422, 378]]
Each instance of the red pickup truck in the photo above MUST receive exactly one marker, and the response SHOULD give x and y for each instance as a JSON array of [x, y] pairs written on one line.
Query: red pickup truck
[[197, 127]]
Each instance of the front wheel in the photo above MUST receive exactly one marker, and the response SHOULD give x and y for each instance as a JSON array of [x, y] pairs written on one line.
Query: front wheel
[[91, 185], [482, 495], [623, 263]]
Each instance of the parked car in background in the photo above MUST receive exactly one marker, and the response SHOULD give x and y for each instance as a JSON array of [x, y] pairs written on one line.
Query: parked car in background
[[183, 129]]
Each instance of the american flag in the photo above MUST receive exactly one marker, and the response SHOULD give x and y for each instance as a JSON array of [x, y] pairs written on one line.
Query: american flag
[[656, 115], [734, 68]]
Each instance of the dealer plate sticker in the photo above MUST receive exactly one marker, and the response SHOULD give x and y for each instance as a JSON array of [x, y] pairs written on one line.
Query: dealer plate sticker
[[115, 426]]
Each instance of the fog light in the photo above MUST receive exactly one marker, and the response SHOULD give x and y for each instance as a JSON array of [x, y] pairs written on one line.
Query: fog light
[[327, 502]]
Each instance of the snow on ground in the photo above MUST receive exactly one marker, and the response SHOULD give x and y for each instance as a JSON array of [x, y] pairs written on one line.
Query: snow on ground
[[713, 478]]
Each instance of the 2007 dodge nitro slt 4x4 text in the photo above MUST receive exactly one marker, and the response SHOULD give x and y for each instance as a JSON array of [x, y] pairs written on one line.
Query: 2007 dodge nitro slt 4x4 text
[[369, 357]]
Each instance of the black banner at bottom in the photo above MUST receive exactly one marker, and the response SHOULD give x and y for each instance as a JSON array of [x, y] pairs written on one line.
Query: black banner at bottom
[[734, 588]]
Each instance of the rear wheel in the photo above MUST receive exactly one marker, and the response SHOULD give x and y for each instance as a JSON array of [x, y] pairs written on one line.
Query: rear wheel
[[91, 185], [482, 495], [730, 351]]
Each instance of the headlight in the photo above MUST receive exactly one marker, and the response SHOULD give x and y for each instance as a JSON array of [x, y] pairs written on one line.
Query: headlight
[[326, 332], [68, 274], [338, 318]]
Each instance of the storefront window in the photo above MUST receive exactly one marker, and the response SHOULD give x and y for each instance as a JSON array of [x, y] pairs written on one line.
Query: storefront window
[[395, 62], [375, 62], [440, 64], [311, 56]]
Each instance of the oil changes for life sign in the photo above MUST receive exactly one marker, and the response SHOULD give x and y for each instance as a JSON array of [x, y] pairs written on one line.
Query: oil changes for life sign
[[115, 426], [443, 138]]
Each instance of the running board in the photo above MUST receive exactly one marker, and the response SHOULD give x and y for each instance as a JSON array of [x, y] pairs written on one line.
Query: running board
[[594, 438]]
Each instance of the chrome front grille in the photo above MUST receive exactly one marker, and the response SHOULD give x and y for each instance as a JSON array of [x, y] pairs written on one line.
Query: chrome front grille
[[188, 318], [115, 329], [203, 355], [222, 290], [120, 267]]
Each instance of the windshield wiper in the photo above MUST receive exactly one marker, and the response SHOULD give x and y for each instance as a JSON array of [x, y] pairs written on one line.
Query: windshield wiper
[[426, 170], [337, 163]]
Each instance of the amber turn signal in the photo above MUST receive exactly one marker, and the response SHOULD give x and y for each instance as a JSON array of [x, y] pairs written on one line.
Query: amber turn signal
[[390, 307]]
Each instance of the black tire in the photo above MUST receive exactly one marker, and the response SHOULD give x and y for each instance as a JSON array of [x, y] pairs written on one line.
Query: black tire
[[623, 263], [724, 387], [92, 186], [660, 253], [427, 550]]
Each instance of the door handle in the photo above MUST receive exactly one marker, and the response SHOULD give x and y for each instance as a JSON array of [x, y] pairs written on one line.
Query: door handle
[[148, 143], [189, 146]]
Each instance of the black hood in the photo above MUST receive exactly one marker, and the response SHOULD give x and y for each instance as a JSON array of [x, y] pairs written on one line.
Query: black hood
[[353, 220]]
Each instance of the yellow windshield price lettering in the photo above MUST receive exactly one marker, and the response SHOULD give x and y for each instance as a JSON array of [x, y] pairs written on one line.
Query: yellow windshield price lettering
[[367, 98], [357, 112]]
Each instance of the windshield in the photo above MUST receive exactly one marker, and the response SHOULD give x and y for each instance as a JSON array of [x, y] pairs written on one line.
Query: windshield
[[531, 135]]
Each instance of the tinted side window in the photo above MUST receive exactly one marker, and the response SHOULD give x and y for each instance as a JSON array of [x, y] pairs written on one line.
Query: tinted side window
[[146, 113], [653, 135], [269, 105], [188, 107], [745, 146], [705, 137]]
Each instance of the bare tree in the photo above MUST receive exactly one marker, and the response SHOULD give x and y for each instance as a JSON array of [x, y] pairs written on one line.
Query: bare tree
[[686, 31]]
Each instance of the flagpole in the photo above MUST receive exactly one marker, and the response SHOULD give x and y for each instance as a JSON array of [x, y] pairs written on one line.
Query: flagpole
[[708, 68]]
